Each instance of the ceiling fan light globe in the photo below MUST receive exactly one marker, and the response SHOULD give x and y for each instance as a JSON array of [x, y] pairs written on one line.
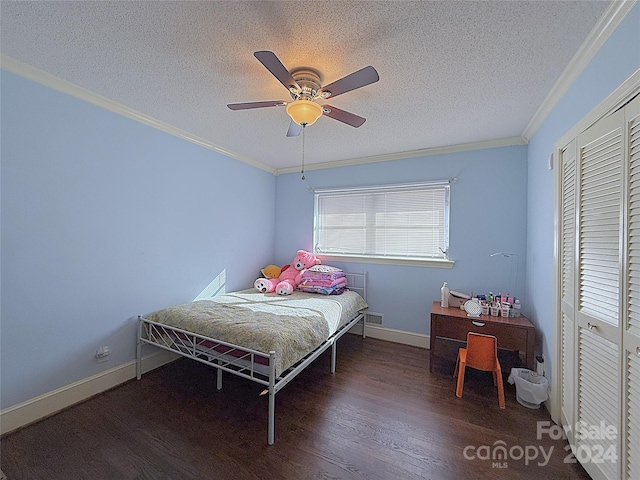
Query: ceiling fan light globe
[[304, 112]]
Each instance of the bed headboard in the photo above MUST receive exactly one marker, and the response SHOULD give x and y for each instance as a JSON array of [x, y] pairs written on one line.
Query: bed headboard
[[358, 283]]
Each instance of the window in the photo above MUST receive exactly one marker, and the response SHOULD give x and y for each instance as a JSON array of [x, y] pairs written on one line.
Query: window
[[394, 222]]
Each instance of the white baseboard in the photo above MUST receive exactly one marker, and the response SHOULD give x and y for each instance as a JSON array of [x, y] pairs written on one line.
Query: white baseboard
[[42, 406], [392, 335]]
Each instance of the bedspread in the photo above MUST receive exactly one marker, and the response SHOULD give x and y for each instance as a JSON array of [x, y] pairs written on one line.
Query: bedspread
[[291, 326]]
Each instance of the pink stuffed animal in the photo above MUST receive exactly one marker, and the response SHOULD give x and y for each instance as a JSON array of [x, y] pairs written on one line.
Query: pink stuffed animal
[[290, 276]]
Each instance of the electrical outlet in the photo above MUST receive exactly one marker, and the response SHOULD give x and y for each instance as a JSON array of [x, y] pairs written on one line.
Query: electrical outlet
[[102, 355]]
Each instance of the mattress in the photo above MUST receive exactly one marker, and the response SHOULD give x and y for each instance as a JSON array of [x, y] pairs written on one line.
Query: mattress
[[291, 326]]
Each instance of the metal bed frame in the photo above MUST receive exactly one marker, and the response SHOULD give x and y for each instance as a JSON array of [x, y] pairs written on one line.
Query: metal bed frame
[[251, 364]]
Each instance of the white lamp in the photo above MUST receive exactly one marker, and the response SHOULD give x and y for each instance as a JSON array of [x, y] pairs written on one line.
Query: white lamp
[[513, 264]]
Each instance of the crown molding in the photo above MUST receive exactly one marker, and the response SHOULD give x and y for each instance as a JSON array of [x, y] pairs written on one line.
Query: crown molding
[[424, 152], [592, 44], [614, 101], [12, 65]]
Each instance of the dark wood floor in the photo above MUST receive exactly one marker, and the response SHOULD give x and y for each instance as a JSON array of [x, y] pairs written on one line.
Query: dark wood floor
[[380, 416]]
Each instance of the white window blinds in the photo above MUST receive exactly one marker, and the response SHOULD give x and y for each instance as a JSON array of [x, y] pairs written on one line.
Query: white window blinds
[[409, 221]]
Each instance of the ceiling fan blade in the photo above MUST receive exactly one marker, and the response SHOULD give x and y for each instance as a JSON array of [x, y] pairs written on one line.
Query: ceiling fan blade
[[275, 66], [343, 116], [294, 129], [247, 105], [362, 77]]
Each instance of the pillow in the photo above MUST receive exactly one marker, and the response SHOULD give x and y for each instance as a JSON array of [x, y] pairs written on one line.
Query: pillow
[[324, 269]]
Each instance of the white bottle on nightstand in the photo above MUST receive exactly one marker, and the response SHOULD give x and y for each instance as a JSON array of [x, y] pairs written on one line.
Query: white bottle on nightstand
[[444, 295]]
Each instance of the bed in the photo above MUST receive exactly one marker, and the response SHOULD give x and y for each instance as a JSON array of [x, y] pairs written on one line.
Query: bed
[[265, 338]]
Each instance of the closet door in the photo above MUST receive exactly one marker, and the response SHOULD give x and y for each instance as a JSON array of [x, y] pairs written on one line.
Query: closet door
[[631, 327], [598, 306], [567, 284]]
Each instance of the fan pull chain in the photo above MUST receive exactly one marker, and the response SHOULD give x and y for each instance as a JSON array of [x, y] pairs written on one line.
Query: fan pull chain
[[302, 171]]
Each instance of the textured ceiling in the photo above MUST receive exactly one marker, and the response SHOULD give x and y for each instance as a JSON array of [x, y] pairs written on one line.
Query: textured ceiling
[[451, 72]]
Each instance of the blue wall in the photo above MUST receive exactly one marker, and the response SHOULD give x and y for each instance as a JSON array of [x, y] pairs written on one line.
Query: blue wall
[[614, 63], [104, 218], [488, 215]]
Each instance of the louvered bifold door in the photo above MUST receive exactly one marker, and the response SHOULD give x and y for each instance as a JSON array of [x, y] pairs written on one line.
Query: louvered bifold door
[[567, 284], [599, 273], [631, 435], [631, 327]]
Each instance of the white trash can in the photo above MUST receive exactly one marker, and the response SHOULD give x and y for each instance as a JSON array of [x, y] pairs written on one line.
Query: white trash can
[[531, 388]]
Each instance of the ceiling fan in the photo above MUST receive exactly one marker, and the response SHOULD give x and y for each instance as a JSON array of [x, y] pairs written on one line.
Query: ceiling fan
[[305, 87]]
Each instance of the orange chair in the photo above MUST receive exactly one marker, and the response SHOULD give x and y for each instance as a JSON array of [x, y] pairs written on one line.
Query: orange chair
[[482, 354]]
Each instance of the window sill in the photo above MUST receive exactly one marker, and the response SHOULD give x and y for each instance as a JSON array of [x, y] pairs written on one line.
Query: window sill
[[430, 263]]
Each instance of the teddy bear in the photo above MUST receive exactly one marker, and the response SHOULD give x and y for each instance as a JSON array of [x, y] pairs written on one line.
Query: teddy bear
[[290, 276]]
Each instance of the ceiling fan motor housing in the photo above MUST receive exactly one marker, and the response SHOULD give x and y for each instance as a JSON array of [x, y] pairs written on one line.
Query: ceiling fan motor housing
[[309, 80]]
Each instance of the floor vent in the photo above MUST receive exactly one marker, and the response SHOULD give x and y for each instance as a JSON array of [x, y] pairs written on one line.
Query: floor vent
[[373, 318]]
